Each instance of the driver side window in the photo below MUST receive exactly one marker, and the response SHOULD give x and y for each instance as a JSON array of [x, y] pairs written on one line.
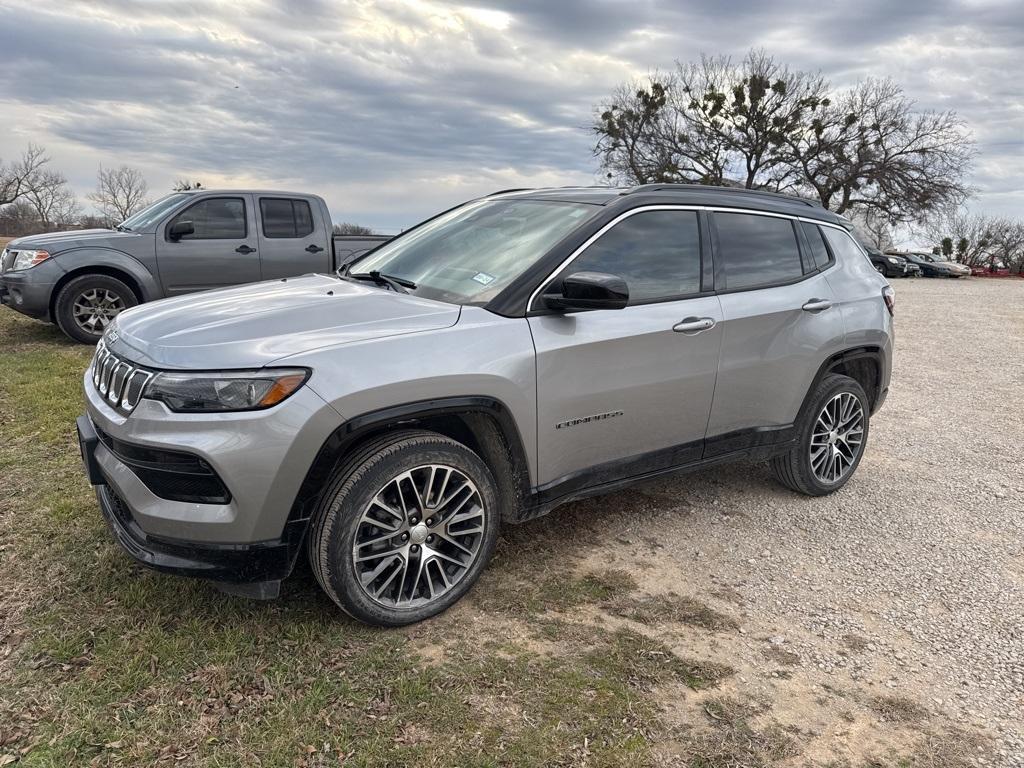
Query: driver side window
[[657, 253], [215, 218]]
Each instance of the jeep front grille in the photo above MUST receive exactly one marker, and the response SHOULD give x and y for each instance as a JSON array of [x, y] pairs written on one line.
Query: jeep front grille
[[119, 382]]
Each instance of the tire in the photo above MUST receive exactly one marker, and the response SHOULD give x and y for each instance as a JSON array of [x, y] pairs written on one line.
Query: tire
[[414, 581], [880, 269], [107, 295], [795, 469]]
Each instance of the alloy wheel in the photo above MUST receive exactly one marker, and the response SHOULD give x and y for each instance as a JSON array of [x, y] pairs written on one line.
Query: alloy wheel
[[418, 536], [95, 309], [837, 438]]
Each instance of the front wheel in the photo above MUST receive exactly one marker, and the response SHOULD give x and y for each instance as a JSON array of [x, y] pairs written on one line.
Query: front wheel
[[89, 303], [405, 528], [831, 435]]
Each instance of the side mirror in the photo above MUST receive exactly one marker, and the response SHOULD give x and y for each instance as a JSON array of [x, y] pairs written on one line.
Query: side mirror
[[590, 290], [179, 229]]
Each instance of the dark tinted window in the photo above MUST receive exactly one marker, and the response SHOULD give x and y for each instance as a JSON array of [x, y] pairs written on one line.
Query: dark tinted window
[[817, 242], [216, 218], [285, 218], [657, 253], [756, 250]]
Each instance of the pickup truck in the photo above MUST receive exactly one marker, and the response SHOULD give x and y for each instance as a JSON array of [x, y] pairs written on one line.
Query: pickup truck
[[185, 242]]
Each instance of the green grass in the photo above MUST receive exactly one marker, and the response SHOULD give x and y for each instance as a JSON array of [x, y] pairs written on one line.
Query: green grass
[[105, 663]]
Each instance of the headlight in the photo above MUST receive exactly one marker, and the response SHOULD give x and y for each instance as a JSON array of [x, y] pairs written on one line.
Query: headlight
[[892, 260], [26, 259], [225, 390]]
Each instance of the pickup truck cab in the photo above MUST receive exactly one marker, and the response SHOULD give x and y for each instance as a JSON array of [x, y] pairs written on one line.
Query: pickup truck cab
[[185, 242]]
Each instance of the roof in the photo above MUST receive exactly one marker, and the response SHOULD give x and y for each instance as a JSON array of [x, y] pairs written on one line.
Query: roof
[[237, 191], [683, 194]]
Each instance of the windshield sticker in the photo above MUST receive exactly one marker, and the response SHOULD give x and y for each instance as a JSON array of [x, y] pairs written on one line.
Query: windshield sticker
[[483, 278]]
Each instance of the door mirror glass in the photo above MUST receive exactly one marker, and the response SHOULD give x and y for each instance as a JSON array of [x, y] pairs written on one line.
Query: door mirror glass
[[590, 290], [180, 229]]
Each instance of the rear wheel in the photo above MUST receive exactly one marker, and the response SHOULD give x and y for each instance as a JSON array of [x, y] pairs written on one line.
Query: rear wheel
[[88, 304], [831, 436], [405, 528]]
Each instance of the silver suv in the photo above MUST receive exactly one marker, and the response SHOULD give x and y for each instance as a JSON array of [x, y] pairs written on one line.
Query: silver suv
[[502, 358]]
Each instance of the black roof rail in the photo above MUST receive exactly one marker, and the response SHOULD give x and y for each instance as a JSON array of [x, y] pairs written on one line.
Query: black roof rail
[[719, 190]]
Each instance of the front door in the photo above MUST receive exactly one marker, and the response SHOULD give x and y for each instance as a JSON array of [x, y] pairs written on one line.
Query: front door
[[222, 250], [629, 391]]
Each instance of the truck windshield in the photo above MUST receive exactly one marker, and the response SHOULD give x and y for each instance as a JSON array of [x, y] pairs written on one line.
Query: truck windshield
[[150, 215], [467, 256]]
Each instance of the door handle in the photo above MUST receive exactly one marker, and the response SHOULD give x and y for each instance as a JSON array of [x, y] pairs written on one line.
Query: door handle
[[244, 249], [816, 305], [311, 248], [694, 325]]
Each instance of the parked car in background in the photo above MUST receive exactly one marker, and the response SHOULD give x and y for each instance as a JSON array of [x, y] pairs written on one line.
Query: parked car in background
[[184, 242], [992, 269], [933, 266], [887, 264], [510, 355]]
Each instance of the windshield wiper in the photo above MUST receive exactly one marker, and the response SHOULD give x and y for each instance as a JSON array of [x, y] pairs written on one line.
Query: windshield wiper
[[397, 284]]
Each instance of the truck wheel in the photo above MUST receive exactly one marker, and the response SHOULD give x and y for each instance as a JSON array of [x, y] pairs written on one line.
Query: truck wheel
[[404, 528], [831, 436], [87, 305]]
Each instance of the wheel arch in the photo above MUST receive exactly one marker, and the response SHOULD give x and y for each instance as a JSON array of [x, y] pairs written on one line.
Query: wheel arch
[[131, 278], [862, 364], [482, 423]]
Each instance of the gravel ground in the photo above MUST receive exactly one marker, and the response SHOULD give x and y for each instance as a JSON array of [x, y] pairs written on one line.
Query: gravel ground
[[910, 581]]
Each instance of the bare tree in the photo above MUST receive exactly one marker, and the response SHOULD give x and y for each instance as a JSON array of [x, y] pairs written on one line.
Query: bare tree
[[761, 125], [868, 148], [120, 192], [967, 237], [345, 228], [873, 228], [19, 177], [54, 201]]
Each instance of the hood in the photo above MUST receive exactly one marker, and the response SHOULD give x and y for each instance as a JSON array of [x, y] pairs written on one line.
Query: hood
[[255, 325], [55, 242]]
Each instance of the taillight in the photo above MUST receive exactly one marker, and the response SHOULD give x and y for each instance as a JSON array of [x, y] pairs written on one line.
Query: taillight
[[890, 299]]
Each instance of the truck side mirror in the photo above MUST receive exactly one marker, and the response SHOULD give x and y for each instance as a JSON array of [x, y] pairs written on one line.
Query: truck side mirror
[[179, 229]]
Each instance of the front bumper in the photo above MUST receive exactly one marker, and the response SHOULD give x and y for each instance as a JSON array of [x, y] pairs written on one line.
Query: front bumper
[[261, 456], [26, 292]]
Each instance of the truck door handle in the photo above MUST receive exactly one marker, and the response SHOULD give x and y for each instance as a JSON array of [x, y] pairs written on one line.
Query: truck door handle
[[245, 249], [816, 305], [694, 325], [313, 248]]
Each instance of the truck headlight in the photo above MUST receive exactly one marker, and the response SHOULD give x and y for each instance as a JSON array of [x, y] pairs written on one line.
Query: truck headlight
[[26, 259], [221, 391]]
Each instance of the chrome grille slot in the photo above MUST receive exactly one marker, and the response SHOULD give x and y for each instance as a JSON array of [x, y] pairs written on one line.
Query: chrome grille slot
[[119, 382]]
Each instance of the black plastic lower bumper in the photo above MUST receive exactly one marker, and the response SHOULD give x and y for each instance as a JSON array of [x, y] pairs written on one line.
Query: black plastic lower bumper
[[264, 561]]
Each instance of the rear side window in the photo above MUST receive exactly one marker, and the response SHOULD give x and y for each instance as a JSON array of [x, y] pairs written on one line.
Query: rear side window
[[657, 253], [756, 251], [215, 218], [817, 243], [844, 247], [284, 217]]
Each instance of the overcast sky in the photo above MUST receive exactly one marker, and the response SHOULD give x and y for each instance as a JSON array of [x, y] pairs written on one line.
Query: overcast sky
[[393, 110]]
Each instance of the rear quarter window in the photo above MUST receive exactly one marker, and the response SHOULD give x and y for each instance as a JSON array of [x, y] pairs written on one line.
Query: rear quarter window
[[755, 251], [285, 217]]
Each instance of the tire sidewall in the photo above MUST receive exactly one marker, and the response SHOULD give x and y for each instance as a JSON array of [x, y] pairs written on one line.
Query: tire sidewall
[[830, 387], [63, 313], [345, 507]]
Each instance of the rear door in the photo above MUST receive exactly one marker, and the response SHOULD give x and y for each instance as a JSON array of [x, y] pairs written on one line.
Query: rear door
[[781, 321], [630, 388], [223, 249], [293, 237]]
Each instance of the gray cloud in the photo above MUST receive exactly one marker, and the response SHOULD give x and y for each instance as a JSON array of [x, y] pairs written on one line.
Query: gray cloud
[[395, 109]]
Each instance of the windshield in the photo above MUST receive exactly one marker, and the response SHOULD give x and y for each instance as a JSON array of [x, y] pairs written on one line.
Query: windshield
[[467, 256], [153, 213]]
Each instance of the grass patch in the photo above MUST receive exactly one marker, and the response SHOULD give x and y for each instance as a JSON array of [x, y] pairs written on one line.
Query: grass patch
[[519, 592], [671, 608], [898, 709]]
